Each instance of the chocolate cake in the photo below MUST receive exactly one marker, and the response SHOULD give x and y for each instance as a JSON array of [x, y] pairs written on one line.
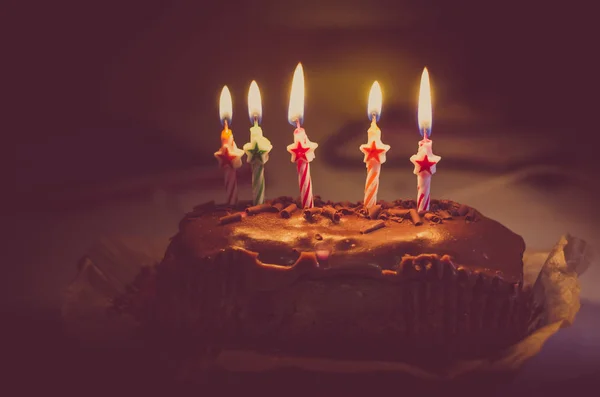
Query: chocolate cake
[[338, 281]]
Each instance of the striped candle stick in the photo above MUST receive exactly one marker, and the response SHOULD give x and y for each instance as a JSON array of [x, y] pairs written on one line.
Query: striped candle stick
[[305, 183], [423, 191], [231, 185], [374, 150], [372, 184], [258, 184]]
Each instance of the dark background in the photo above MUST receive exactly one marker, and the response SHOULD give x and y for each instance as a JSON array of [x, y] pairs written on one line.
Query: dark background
[[138, 83], [114, 103]]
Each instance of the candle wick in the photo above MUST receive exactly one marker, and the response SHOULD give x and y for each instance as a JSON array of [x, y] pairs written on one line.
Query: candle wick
[[225, 124], [374, 118], [298, 123], [255, 121]]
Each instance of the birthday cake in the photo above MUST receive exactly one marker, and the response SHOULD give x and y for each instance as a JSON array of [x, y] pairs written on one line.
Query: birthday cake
[[422, 282], [337, 281]]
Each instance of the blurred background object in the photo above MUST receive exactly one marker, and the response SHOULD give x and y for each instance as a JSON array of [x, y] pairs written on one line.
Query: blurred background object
[[116, 90]]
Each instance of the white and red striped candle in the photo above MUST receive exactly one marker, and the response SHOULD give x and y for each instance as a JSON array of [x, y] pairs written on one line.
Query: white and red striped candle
[[374, 150], [302, 150], [425, 161], [229, 156]]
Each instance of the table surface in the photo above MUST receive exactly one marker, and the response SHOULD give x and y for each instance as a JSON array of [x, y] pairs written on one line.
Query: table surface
[[49, 242]]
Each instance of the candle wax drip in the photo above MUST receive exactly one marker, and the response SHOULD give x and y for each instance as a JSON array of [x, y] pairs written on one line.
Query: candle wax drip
[[255, 131], [226, 134], [425, 139], [374, 133]]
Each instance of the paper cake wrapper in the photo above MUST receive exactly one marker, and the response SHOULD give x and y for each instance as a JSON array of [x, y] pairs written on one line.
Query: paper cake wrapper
[[111, 265]]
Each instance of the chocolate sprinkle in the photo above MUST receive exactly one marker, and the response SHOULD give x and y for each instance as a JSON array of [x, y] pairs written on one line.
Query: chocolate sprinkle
[[371, 228], [309, 213], [433, 218], [231, 218], [277, 207], [445, 215], [257, 209], [398, 213], [288, 211], [331, 213], [463, 210], [318, 237], [414, 217], [374, 211]]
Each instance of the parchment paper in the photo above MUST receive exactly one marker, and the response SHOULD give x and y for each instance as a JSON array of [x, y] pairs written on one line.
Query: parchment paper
[[105, 272]]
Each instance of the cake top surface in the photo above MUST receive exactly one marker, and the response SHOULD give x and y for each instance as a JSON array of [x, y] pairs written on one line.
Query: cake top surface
[[346, 235]]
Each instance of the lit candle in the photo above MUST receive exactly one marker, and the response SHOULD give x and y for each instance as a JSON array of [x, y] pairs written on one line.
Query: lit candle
[[259, 147], [374, 150], [302, 150], [229, 156], [425, 161]]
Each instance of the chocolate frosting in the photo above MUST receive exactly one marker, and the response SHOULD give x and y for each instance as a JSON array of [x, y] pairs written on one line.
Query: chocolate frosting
[[469, 240]]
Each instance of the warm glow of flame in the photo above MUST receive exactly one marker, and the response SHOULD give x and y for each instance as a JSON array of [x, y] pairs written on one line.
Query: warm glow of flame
[[254, 103], [425, 113], [225, 106], [296, 108], [375, 100]]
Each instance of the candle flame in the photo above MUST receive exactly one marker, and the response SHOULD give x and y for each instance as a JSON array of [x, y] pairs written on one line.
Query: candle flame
[[424, 112], [296, 108], [375, 101], [225, 106], [254, 103]]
